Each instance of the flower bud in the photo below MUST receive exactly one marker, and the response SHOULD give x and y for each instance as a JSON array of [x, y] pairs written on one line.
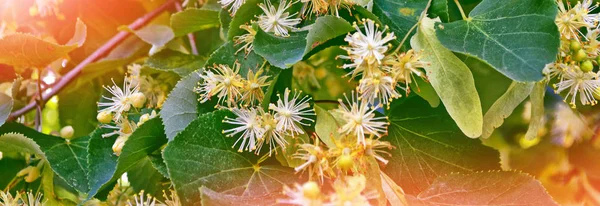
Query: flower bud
[[579, 55], [104, 117], [138, 100], [144, 118], [346, 162], [575, 45], [67, 132], [311, 190], [119, 143], [587, 66]]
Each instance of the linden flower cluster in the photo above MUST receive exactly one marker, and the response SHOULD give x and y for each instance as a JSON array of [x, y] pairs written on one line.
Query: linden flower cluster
[[346, 157], [348, 190], [380, 72], [576, 68], [320, 7], [255, 126], [115, 110], [28, 198]]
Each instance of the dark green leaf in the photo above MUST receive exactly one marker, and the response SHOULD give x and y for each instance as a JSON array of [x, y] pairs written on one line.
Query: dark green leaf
[[244, 15], [67, 159], [78, 108], [517, 37], [325, 29], [400, 16], [180, 63], [105, 168], [144, 177], [429, 144], [201, 156], [192, 20], [439, 8], [282, 52]]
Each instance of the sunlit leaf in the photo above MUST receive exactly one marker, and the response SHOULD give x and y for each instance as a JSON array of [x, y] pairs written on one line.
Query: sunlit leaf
[[504, 106], [451, 79]]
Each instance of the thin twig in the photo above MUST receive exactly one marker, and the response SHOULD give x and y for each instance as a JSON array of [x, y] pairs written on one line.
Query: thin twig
[[190, 35], [100, 52], [326, 101], [39, 103], [423, 14], [462, 12]]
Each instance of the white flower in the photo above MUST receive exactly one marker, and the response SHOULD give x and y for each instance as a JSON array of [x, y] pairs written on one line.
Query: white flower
[[379, 88], [271, 136], [149, 201], [576, 81], [582, 11], [402, 67], [248, 124], [368, 47], [252, 92], [360, 119], [315, 159], [290, 113], [568, 126], [120, 101], [556, 70], [226, 83], [277, 20], [235, 5], [568, 23], [245, 39]]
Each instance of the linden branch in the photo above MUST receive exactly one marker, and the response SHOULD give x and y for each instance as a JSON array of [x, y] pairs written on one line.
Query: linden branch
[[191, 37], [100, 52]]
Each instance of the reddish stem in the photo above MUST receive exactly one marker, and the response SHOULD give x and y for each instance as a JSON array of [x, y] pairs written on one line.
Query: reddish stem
[[190, 35], [100, 52]]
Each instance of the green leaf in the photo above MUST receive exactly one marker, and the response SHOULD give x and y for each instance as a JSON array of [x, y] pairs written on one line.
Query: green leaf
[[192, 20], [439, 8], [67, 159], [537, 110], [78, 108], [517, 37], [226, 54], [504, 106], [485, 188], [210, 197], [105, 168], [324, 29], [180, 63], [196, 157], [159, 164], [144, 177], [180, 108], [429, 144], [327, 126], [282, 52], [400, 16], [451, 79], [247, 12], [425, 91], [6, 104], [25, 50]]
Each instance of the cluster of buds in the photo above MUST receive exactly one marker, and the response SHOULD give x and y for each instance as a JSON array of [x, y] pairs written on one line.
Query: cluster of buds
[[576, 68], [381, 73], [115, 111]]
